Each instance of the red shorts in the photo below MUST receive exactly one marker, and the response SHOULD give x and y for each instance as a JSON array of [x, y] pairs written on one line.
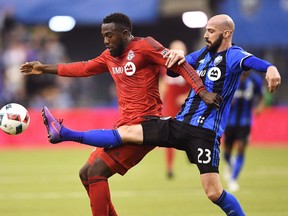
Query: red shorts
[[122, 158]]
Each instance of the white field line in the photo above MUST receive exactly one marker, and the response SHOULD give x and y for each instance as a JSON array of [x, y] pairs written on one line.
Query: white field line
[[81, 195], [27, 179]]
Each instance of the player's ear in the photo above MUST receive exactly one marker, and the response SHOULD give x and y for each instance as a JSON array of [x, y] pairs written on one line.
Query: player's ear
[[226, 33], [126, 33]]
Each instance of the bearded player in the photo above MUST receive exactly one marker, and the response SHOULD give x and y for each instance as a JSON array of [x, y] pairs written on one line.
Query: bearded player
[[197, 128]]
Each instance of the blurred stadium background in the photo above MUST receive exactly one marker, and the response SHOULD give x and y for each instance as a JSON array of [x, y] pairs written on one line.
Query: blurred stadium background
[[91, 103]]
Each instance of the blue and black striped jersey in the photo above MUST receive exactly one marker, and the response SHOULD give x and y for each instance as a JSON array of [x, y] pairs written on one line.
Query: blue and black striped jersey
[[249, 92], [220, 73]]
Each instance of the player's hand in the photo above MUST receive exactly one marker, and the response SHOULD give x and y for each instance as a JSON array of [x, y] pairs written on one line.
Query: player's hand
[[29, 68], [174, 56], [273, 78], [211, 99]]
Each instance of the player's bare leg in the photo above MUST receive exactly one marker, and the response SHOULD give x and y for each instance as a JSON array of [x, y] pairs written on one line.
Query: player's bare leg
[[212, 185], [225, 200], [131, 134]]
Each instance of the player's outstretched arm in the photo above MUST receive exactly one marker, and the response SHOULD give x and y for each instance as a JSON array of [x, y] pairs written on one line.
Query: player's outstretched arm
[[272, 75], [37, 68]]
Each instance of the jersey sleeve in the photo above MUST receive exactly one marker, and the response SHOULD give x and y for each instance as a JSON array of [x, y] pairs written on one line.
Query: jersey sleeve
[[84, 69], [235, 59], [153, 52], [256, 64]]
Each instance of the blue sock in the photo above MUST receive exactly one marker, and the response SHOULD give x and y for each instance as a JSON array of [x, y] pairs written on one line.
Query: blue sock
[[238, 166], [229, 204], [97, 138]]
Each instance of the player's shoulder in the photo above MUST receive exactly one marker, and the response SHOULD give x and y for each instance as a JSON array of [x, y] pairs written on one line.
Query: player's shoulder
[[147, 39], [104, 57], [236, 54], [202, 51], [105, 53], [236, 50], [150, 42], [197, 55]]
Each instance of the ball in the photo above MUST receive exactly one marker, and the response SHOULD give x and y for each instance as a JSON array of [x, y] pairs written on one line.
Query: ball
[[14, 118]]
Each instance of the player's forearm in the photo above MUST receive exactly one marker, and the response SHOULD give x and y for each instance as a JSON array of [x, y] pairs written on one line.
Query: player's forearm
[[36, 68], [257, 64], [48, 68], [190, 75]]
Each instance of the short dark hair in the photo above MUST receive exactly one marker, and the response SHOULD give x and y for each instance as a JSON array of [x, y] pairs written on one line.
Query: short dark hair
[[119, 19]]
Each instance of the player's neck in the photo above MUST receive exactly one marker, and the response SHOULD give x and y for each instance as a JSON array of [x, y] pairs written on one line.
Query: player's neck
[[129, 39], [224, 46]]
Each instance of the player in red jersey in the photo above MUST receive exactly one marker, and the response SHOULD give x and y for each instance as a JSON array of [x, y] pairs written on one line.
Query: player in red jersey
[[134, 63], [173, 92]]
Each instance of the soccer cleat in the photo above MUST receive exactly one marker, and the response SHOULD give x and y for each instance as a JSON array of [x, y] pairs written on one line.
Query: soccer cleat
[[170, 174], [53, 126], [233, 186]]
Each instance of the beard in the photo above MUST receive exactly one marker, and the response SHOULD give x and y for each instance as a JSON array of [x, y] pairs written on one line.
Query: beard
[[216, 44], [118, 50]]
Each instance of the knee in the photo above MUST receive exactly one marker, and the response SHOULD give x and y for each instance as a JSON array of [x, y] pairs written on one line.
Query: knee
[[213, 194], [212, 185], [92, 171], [83, 172], [99, 168]]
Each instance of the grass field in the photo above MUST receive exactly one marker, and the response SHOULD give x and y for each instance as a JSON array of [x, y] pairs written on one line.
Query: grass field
[[45, 182]]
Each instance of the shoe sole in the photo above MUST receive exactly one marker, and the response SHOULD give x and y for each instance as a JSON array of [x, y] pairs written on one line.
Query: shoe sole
[[45, 121]]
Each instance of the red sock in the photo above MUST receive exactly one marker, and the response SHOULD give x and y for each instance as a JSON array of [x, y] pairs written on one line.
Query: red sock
[[100, 200], [86, 186]]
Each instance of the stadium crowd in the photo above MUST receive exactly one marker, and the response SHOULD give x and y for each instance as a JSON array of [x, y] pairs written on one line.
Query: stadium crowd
[[20, 43]]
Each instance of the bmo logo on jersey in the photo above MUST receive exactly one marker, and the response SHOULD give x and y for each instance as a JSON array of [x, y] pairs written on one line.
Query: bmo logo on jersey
[[129, 68], [214, 73]]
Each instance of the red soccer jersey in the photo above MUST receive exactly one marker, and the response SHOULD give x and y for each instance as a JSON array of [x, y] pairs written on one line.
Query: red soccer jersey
[[136, 75]]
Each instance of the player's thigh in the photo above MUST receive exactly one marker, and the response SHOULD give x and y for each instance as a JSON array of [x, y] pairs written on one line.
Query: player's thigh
[[163, 132], [99, 163], [119, 159], [100, 168], [204, 153], [131, 134], [126, 156]]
